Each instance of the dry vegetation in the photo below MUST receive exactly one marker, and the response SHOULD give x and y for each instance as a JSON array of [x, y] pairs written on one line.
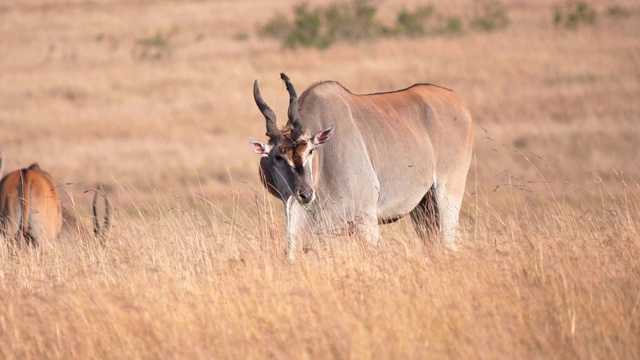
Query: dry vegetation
[[153, 99]]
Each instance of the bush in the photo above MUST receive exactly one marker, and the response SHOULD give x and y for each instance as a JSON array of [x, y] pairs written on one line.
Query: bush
[[493, 16], [353, 21], [413, 23], [453, 26], [356, 21], [574, 14], [278, 27], [307, 29], [320, 27]]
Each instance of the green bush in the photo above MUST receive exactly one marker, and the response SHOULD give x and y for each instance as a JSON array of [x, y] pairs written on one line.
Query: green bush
[[352, 21], [355, 21], [453, 26], [278, 27], [574, 15], [492, 16], [322, 26], [307, 29], [413, 23]]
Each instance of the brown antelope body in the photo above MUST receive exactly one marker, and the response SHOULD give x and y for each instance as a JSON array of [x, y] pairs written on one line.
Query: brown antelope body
[[405, 152], [30, 207]]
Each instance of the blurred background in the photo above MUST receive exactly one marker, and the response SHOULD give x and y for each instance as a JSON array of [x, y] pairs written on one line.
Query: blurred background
[[155, 96]]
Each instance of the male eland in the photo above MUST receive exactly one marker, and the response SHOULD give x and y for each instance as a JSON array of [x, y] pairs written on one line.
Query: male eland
[[384, 156]]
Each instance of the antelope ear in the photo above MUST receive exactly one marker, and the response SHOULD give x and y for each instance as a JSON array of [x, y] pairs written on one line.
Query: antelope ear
[[260, 148], [323, 136]]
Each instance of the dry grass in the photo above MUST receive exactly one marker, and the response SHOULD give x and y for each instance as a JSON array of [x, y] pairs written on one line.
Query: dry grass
[[550, 258]]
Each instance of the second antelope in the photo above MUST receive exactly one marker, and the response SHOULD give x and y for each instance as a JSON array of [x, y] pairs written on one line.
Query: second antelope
[[385, 155], [30, 208]]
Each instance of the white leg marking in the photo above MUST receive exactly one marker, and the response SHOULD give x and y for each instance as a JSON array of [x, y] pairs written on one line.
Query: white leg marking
[[449, 204], [295, 214], [367, 226]]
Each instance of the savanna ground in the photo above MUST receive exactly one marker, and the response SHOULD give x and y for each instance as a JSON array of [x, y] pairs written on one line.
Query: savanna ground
[[549, 259]]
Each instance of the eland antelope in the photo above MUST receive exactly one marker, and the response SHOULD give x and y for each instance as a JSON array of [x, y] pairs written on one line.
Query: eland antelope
[[383, 156], [30, 207]]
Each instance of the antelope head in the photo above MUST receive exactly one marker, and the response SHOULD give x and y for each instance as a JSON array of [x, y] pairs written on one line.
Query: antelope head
[[287, 164]]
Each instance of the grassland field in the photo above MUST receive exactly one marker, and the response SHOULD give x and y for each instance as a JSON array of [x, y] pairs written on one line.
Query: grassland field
[[549, 258]]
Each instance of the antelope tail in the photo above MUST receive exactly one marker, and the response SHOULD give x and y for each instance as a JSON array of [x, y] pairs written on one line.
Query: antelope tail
[[101, 231]]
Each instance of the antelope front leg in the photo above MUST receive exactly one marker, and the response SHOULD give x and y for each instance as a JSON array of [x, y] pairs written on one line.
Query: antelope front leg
[[295, 214], [367, 227]]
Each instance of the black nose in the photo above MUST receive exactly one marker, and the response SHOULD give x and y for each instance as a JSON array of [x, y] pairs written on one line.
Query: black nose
[[305, 196]]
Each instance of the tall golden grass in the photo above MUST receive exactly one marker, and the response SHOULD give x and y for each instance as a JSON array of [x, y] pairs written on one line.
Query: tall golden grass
[[549, 259]]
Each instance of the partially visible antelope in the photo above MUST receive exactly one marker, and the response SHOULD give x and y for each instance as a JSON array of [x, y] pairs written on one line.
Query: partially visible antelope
[[101, 231], [30, 208], [384, 156]]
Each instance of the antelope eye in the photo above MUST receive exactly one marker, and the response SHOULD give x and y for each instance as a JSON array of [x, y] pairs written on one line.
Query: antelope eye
[[312, 151]]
